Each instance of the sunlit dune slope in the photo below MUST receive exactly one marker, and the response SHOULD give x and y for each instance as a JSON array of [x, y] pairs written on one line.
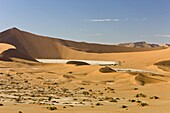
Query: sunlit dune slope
[[4, 47], [53, 48]]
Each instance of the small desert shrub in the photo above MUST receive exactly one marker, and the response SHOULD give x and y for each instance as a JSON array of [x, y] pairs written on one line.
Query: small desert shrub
[[39, 78], [75, 99], [113, 100], [49, 98], [132, 100], [109, 88], [98, 104], [55, 101], [70, 72], [154, 97], [64, 90], [101, 93], [71, 106], [66, 103], [124, 106], [108, 98], [100, 99], [90, 90], [18, 99], [8, 75], [142, 104], [140, 95], [86, 93], [52, 108], [138, 101], [135, 88], [82, 88]]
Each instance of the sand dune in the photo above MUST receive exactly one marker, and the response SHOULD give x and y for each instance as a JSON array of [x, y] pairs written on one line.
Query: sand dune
[[33, 45], [164, 65], [139, 60], [53, 48], [144, 79], [39, 87], [41, 47], [4, 47]]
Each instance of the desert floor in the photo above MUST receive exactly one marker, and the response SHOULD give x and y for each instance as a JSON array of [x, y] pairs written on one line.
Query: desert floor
[[60, 88]]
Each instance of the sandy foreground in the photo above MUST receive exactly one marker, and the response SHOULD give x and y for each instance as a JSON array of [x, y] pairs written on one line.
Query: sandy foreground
[[60, 88], [29, 87]]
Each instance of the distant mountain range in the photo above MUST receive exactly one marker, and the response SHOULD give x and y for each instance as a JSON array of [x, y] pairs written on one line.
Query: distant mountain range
[[143, 44]]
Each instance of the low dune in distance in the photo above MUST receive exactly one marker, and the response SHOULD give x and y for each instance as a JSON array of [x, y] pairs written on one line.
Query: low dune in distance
[[164, 65]]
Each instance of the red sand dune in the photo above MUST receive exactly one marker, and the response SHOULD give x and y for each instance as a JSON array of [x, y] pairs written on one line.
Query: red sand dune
[[42, 47]]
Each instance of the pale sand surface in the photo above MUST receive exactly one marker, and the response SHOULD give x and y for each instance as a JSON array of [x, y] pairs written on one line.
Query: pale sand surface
[[67, 84], [4, 47]]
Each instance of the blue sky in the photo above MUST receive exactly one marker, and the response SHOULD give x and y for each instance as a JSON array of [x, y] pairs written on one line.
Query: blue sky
[[104, 21]]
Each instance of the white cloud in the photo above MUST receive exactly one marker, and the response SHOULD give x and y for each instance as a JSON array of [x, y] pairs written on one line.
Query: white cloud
[[159, 35], [116, 20], [136, 19], [105, 20]]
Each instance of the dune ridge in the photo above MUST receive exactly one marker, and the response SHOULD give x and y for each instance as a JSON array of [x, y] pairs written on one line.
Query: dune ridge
[[54, 48], [41, 47], [143, 79]]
